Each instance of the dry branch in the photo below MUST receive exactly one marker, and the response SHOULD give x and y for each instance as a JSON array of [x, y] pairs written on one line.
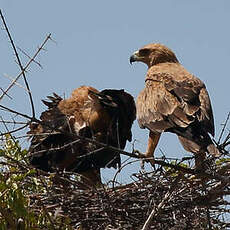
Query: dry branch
[[19, 62], [23, 69], [161, 205]]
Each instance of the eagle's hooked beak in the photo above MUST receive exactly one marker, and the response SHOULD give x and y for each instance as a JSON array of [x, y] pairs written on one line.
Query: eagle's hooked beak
[[134, 57]]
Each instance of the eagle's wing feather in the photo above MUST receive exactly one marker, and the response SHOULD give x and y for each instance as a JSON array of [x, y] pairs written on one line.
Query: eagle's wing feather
[[154, 105], [192, 92], [105, 116], [206, 114], [173, 97]]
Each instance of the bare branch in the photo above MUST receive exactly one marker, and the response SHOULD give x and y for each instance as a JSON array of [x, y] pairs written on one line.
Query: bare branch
[[27, 65], [29, 57], [223, 129], [15, 130], [161, 205], [15, 112], [5, 93], [19, 62], [14, 122], [16, 83]]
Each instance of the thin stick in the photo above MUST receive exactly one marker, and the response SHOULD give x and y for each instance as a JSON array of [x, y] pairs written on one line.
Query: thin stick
[[16, 83], [8, 132], [18, 113], [26, 66], [222, 131], [29, 57], [161, 205], [14, 122], [5, 93], [15, 130], [20, 64]]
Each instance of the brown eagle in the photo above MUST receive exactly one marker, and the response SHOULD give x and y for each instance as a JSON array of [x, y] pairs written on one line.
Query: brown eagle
[[174, 100], [105, 117]]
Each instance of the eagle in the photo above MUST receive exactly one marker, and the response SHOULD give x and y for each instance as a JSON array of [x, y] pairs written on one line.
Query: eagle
[[175, 101], [69, 134]]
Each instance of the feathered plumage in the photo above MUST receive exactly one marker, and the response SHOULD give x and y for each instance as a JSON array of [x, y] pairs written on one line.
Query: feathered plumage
[[173, 100], [105, 116]]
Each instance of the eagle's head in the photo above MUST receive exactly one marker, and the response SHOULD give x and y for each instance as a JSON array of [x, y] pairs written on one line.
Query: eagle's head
[[153, 54]]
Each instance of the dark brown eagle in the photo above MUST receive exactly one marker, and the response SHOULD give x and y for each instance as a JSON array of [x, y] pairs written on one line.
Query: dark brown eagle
[[174, 100], [105, 117]]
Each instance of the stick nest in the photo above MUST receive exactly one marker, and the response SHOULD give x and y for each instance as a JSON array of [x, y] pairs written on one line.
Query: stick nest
[[172, 200]]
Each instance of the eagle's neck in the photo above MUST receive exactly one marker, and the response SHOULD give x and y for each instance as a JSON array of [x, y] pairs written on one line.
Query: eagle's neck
[[163, 57]]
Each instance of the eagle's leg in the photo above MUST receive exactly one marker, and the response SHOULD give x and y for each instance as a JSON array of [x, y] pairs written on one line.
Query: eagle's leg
[[152, 144]]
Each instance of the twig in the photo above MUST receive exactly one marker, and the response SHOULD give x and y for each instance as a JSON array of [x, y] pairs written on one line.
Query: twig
[[8, 132], [27, 65], [8, 217], [18, 113], [20, 64], [29, 57], [223, 129], [48, 215], [161, 205], [119, 170], [5, 93], [14, 122], [16, 83], [15, 130]]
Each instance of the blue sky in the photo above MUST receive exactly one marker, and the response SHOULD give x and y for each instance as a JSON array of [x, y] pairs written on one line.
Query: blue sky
[[94, 40]]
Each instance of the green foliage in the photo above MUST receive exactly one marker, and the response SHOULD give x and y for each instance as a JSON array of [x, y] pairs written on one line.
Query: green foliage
[[172, 172], [222, 161], [18, 185]]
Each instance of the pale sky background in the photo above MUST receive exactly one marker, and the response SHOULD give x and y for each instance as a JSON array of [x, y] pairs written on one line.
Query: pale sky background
[[94, 40]]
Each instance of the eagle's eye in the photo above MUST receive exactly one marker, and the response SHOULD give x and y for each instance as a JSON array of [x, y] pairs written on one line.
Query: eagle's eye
[[144, 52]]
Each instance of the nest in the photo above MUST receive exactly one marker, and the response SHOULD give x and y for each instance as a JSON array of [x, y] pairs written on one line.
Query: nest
[[162, 199], [170, 196]]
